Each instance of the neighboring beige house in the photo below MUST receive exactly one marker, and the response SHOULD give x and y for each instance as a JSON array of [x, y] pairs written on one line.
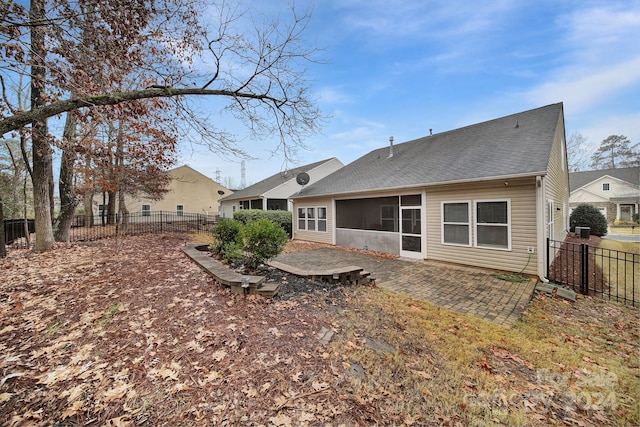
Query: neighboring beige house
[[273, 193], [486, 195], [189, 191], [616, 192]]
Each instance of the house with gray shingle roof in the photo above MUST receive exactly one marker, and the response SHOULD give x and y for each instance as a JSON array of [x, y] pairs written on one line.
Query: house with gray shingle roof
[[486, 195], [616, 192], [273, 193]]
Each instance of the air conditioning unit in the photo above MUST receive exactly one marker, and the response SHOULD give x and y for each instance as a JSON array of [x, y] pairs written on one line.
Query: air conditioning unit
[[583, 232]]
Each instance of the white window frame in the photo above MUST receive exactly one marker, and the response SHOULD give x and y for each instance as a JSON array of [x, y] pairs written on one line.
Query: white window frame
[[311, 217], [468, 223], [606, 186], [147, 211], [321, 220], [179, 210], [478, 224]]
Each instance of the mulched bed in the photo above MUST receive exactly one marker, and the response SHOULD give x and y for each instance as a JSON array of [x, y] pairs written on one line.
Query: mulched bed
[[567, 265]]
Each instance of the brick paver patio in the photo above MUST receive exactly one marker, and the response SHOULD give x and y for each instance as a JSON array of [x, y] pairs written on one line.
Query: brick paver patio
[[466, 290]]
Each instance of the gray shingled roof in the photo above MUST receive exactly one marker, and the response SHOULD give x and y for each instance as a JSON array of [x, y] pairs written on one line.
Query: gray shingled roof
[[260, 188], [580, 179], [515, 145]]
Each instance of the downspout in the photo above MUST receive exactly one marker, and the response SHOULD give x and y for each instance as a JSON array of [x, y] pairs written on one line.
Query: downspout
[[541, 227]]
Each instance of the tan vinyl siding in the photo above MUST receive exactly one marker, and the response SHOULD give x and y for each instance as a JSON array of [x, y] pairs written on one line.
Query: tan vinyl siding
[[189, 188], [557, 185], [522, 195], [314, 236]]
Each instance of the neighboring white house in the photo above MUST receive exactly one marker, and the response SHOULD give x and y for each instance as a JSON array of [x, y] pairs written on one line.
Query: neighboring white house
[[486, 195], [616, 192], [273, 193]]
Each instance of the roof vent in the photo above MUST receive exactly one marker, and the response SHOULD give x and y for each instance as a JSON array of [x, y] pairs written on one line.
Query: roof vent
[[517, 124], [391, 146], [430, 132]]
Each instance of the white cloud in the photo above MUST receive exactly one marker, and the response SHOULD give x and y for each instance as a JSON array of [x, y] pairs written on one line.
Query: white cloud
[[603, 33], [334, 95], [603, 127], [442, 20], [580, 90]]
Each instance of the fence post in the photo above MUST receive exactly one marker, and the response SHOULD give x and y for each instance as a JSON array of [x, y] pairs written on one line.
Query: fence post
[[548, 258], [161, 221], [584, 269]]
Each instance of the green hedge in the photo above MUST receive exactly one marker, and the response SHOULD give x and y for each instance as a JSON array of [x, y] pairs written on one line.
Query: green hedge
[[263, 240], [283, 218], [255, 242], [588, 216]]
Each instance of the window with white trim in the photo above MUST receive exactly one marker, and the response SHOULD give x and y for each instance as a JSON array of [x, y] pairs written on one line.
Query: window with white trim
[[312, 219], [606, 186], [493, 224], [180, 210], [322, 219], [146, 210], [456, 223]]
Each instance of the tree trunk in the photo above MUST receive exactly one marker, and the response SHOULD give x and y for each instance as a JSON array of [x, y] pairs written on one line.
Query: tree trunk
[[88, 208], [111, 207], [3, 244], [103, 213], [122, 209], [27, 233], [41, 150], [67, 191]]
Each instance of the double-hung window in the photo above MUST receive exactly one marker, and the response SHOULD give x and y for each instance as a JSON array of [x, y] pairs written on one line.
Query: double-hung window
[[146, 210], [322, 219], [456, 225], [493, 224], [312, 219], [180, 210]]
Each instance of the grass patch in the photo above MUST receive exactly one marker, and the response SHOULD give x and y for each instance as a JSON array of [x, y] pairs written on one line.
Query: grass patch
[[109, 313], [463, 370], [622, 275], [52, 329]]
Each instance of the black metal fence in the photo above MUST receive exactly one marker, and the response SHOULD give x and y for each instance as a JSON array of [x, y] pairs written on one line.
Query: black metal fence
[[16, 229], [591, 270], [83, 229]]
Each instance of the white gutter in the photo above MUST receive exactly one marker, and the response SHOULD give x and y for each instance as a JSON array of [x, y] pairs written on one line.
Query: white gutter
[[423, 185], [541, 229]]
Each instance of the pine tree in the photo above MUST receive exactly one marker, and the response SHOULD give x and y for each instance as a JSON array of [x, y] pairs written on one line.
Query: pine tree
[[614, 152]]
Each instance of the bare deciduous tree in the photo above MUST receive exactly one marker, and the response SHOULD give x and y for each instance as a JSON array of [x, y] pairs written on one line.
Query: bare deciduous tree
[[257, 67], [577, 156]]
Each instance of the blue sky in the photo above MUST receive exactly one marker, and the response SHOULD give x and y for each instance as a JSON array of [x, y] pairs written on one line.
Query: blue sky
[[403, 67]]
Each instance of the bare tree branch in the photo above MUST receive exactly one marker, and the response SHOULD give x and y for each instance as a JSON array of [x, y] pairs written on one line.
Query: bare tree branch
[[25, 118]]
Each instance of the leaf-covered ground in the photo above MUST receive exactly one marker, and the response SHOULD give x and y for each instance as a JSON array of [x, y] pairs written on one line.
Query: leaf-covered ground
[[133, 333]]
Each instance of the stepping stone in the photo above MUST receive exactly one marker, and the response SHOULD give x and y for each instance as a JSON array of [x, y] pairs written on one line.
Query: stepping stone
[[380, 345], [325, 336], [356, 370], [552, 288]]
